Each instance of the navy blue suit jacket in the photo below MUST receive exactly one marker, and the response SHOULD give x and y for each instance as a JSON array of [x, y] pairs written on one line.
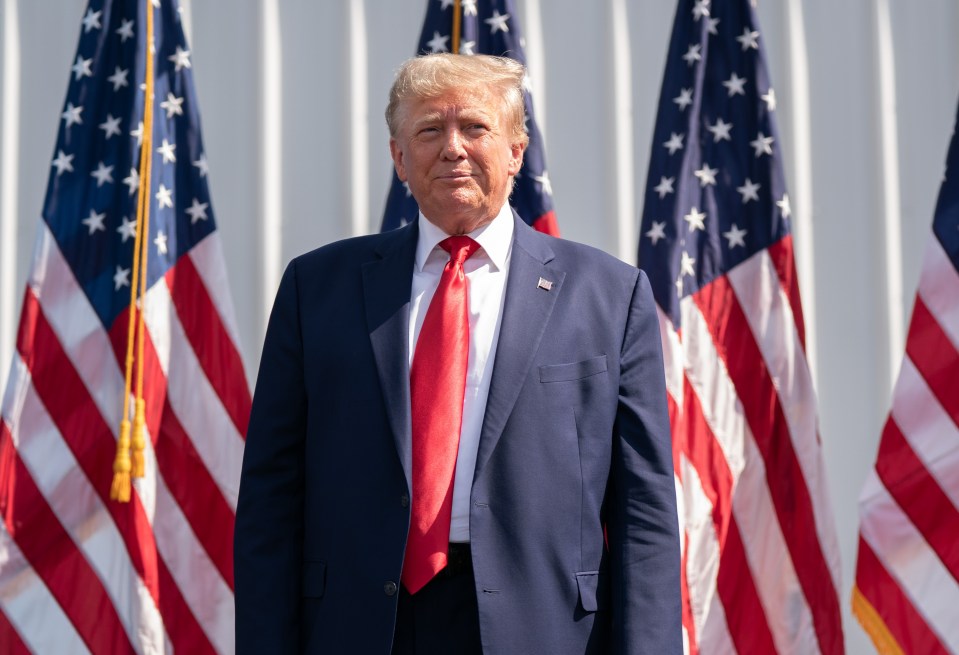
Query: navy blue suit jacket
[[575, 437]]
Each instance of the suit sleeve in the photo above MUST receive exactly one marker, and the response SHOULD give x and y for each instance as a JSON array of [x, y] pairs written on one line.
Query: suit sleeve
[[269, 523], [642, 527]]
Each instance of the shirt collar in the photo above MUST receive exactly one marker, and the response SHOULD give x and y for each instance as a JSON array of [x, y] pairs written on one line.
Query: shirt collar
[[494, 239]]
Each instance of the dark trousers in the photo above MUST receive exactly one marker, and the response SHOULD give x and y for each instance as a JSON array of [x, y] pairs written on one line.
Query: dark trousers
[[442, 617]]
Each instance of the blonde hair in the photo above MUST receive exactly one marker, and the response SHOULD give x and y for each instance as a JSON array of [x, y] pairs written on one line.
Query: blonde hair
[[430, 76]]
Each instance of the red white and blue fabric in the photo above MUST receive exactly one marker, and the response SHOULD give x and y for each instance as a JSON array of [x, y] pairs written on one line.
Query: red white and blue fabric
[[78, 572], [488, 27], [907, 571], [760, 556]]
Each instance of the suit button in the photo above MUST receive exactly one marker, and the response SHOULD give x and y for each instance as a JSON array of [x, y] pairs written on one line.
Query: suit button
[[390, 588], [405, 500]]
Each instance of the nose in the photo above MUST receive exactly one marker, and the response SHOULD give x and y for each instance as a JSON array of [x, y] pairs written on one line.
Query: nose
[[455, 145]]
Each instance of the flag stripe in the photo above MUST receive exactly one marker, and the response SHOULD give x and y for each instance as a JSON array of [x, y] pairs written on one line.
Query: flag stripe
[[10, 641], [93, 444], [31, 610], [939, 288], [747, 620], [702, 548], [766, 307], [898, 613], [207, 258], [732, 334], [53, 555], [931, 433], [217, 355], [907, 557], [195, 402], [919, 496], [935, 357], [781, 255]]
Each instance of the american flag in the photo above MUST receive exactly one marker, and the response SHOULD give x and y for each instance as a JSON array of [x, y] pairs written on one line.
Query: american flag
[[906, 593], [760, 556], [488, 27], [79, 572]]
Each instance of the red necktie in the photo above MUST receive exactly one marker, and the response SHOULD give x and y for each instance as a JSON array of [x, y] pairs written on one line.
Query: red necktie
[[437, 388]]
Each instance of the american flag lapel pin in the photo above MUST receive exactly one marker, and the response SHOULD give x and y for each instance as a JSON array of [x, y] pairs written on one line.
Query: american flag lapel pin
[[544, 284]]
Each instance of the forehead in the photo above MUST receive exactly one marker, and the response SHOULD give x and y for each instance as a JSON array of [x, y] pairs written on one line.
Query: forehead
[[454, 102]]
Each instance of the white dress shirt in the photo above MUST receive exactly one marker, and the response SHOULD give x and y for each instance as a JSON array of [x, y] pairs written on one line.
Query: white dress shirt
[[486, 271]]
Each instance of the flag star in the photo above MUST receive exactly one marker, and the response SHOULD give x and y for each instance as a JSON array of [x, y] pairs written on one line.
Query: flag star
[[735, 236], [82, 68], [156, 3], [665, 186], [121, 278], [127, 229], [545, 183], [706, 175], [180, 59], [675, 143], [94, 222], [679, 286], [160, 242], [202, 165], [748, 39], [687, 265], [72, 115], [497, 22], [711, 24], [132, 180], [700, 9], [720, 130], [163, 197], [103, 174], [119, 78], [446, 4], [111, 127], [173, 105], [438, 43], [197, 211], [63, 162], [784, 206], [468, 48], [406, 185], [657, 231], [735, 85], [770, 99], [762, 145], [91, 21], [749, 190], [167, 151], [125, 30], [138, 133], [696, 220], [692, 55], [469, 7], [684, 99]]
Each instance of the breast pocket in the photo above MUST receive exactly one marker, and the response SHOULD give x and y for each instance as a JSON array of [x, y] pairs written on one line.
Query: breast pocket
[[573, 371]]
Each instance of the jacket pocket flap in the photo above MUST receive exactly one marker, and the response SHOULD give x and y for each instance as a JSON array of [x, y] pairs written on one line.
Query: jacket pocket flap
[[572, 371], [314, 579], [592, 590]]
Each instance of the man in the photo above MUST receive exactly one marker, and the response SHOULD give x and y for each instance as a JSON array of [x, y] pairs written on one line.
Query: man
[[459, 445]]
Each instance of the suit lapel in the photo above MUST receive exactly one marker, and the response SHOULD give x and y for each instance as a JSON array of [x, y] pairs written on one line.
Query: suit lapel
[[526, 311], [386, 290]]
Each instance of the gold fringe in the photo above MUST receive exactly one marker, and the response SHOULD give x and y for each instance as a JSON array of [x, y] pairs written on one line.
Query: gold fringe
[[874, 626], [139, 440], [456, 26]]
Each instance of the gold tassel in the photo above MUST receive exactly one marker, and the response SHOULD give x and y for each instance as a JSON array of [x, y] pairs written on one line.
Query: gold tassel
[[139, 439], [120, 490]]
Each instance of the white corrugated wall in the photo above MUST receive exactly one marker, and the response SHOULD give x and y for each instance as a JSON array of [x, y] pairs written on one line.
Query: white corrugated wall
[[292, 93]]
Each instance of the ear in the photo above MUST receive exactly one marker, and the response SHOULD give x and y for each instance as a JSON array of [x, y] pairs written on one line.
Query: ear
[[516, 151], [397, 154]]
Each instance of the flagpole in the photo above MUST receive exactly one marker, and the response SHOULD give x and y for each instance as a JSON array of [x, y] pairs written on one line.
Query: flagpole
[[457, 19]]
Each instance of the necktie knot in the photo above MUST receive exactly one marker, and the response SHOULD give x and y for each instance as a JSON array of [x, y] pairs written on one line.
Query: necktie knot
[[460, 248]]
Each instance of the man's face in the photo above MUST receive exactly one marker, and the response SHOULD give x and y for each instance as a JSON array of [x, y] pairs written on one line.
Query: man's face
[[455, 153]]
